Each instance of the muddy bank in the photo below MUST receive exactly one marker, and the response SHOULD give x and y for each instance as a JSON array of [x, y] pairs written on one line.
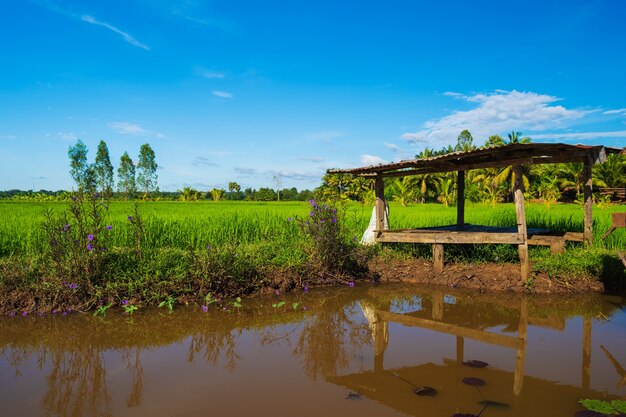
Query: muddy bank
[[482, 276]]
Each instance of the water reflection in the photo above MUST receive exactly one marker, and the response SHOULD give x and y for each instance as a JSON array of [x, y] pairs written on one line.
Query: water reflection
[[366, 340]]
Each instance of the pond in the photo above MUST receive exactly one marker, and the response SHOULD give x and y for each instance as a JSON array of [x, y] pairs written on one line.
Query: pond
[[363, 351]]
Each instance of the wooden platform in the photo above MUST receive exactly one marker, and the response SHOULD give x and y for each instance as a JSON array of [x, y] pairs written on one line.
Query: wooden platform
[[473, 234]]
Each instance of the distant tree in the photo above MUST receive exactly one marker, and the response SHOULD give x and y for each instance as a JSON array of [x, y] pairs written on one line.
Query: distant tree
[[217, 194], [465, 141], [104, 171], [189, 194], [264, 194], [78, 163], [278, 180], [233, 187], [516, 137], [126, 177], [495, 140], [147, 170]]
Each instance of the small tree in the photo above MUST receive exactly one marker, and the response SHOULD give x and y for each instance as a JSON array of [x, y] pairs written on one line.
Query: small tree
[[78, 163], [233, 187], [465, 141], [126, 176], [103, 171], [147, 170], [217, 194]]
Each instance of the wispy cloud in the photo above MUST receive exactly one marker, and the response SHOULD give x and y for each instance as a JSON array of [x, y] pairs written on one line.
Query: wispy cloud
[[201, 160], [295, 175], [70, 136], [616, 111], [393, 147], [134, 129], [7, 137], [367, 160], [223, 94], [496, 113], [325, 135], [244, 172], [211, 75], [124, 35], [314, 159], [582, 135]]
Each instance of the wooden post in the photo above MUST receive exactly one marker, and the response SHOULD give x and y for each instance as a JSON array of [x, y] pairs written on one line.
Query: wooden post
[[520, 212], [586, 366], [379, 190], [381, 338], [460, 349], [588, 189], [438, 258], [437, 310], [460, 199], [520, 353]]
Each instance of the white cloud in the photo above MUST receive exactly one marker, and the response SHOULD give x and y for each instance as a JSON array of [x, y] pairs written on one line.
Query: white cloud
[[393, 147], [582, 135], [211, 75], [7, 137], [616, 111], [222, 94], [127, 128], [496, 113], [68, 136], [124, 35], [314, 159], [296, 175], [367, 160]]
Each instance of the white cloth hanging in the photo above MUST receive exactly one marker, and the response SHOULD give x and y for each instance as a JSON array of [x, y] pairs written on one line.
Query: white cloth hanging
[[369, 237]]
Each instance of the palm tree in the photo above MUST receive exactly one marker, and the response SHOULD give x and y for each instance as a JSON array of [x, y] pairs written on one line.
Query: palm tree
[[188, 194], [217, 194], [404, 190], [613, 172], [445, 190], [516, 137]]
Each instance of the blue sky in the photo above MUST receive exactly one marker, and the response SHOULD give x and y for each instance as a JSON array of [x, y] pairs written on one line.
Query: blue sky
[[247, 91]]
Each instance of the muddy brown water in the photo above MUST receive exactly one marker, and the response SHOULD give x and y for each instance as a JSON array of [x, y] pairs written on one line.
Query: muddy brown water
[[358, 351]]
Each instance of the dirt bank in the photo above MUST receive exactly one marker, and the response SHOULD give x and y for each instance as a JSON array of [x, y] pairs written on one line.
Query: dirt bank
[[483, 276]]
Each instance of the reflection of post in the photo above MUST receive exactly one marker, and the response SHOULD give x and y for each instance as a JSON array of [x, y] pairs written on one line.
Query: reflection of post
[[586, 370], [460, 348], [381, 338], [437, 312], [518, 377]]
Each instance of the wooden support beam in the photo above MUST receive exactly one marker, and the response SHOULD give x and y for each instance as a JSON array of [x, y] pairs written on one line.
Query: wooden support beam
[[588, 189], [379, 190], [453, 329], [520, 354], [437, 308], [460, 199], [390, 236], [520, 212], [438, 258], [586, 366]]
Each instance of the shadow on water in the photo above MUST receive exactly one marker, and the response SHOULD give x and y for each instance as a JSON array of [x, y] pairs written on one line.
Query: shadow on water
[[375, 344]]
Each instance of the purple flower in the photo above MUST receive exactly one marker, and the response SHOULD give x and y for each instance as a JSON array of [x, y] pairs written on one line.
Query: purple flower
[[351, 284], [24, 314], [66, 227], [306, 288], [208, 247], [304, 308], [90, 237], [73, 286], [289, 219], [89, 246], [205, 308], [124, 302], [130, 218], [109, 227], [334, 220], [311, 202], [277, 292], [312, 213], [65, 313]]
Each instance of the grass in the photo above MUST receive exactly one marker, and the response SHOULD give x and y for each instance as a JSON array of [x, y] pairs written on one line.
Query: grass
[[248, 239]]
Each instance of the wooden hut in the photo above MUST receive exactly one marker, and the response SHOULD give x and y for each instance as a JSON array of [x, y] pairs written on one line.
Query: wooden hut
[[514, 155]]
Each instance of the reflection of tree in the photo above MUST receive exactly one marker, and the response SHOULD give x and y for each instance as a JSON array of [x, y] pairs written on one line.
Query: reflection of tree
[[330, 338], [77, 384], [133, 364], [212, 345]]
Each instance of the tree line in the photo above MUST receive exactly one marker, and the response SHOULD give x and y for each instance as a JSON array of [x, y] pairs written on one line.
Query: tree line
[[548, 183], [97, 177]]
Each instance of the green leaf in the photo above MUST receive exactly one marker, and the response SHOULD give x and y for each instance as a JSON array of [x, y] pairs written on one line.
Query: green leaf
[[619, 405], [598, 406], [295, 305]]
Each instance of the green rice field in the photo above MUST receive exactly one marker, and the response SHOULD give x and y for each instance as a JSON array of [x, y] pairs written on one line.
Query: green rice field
[[197, 224]]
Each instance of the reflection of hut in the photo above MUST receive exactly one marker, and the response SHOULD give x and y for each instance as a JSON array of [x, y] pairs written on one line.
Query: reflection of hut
[[445, 314], [514, 155]]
